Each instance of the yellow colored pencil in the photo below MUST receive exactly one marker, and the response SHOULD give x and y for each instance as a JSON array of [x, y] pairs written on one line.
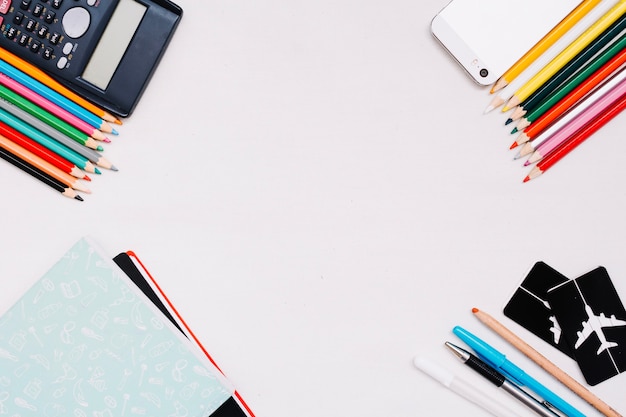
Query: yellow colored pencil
[[546, 42], [45, 79], [567, 54]]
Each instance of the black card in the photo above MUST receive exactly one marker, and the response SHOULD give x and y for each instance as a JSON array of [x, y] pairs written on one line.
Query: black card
[[593, 321], [529, 308]]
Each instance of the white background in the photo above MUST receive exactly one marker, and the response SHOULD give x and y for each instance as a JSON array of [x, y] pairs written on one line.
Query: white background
[[315, 186]]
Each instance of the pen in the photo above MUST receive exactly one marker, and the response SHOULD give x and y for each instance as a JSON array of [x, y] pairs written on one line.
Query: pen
[[462, 388], [500, 381], [499, 361]]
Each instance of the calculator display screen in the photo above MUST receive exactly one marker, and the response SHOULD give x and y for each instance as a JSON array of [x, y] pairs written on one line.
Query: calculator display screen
[[113, 43]]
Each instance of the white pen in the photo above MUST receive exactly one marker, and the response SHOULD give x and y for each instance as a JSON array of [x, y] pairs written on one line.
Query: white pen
[[462, 388]]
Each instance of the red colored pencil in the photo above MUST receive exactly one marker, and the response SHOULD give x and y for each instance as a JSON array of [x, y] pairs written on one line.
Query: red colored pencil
[[571, 99], [41, 151], [576, 139]]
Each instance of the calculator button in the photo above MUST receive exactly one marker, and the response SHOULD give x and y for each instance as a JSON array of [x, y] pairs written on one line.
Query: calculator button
[[67, 48], [42, 31], [49, 17], [38, 10], [23, 39], [62, 62], [47, 53], [11, 32], [5, 5], [55, 38], [76, 22], [24, 4], [18, 18], [35, 46], [57, 3], [30, 25]]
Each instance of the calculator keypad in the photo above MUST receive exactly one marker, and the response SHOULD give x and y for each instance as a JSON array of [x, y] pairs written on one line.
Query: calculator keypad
[[50, 31]]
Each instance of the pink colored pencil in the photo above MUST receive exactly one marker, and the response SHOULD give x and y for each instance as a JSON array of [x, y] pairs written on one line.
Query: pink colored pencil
[[617, 88], [49, 106]]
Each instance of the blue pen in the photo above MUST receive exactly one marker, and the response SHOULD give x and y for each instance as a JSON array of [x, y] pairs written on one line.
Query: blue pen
[[500, 362]]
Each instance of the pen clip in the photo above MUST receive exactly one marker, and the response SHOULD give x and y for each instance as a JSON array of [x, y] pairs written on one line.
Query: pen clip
[[553, 408], [499, 369]]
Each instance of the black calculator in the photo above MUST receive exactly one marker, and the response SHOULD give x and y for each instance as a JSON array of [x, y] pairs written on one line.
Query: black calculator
[[104, 50]]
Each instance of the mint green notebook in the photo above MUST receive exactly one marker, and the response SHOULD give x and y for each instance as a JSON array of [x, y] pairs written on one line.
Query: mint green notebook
[[85, 342]]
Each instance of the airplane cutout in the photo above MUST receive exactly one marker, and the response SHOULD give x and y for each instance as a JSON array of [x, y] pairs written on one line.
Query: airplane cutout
[[555, 329], [595, 324]]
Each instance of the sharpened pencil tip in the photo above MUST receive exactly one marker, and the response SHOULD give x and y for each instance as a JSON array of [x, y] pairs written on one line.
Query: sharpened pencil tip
[[79, 198], [114, 132], [514, 130], [508, 121], [475, 310], [513, 145], [97, 171], [526, 179], [114, 168], [106, 140], [488, 109], [86, 178], [99, 148]]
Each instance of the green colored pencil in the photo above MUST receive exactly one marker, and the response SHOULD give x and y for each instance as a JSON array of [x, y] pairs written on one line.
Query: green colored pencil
[[568, 86], [47, 117]]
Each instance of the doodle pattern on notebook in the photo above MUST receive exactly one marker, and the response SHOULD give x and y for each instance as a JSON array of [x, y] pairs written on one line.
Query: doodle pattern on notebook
[[84, 342]]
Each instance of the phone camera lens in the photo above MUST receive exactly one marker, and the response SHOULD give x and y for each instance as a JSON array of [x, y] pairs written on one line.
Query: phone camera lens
[[483, 72]]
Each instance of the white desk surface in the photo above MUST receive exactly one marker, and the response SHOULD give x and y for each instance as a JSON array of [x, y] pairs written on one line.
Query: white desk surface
[[315, 186]]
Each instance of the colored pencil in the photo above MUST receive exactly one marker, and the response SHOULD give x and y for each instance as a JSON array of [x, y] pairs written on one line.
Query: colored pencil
[[56, 98], [48, 118], [579, 137], [548, 40], [567, 54], [51, 107], [92, 155], [594, 110], [574, 112], [46, 141], [41, 151], [572, 67], [578, 86], [41, 164], [544, 363], [579, 28], [44, 78], [39, 174]]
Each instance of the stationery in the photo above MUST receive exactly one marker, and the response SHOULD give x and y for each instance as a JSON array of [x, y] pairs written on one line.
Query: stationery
[[544, 363], [500, 381], [503, 365], [86, 341], [461, 387]]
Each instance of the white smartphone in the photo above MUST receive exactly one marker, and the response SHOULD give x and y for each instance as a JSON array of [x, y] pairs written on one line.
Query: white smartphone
[[486, 37]]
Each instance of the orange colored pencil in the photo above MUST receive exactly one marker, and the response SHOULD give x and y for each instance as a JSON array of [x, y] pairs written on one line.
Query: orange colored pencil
[[41, 151], [573, 97], [42, 164], [44, 78]]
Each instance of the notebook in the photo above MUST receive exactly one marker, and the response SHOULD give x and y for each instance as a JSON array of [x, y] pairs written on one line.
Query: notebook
[[85, 341]]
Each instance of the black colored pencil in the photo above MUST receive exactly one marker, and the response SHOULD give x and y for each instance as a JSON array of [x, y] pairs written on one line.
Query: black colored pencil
[[40, 175]]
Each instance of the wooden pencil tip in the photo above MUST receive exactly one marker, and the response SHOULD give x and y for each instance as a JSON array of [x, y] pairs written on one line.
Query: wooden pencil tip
[[79, 198], [513, 145], [475, 310], [86, 178], [97, 171], [514, 131], [527, 179], [508, 121]]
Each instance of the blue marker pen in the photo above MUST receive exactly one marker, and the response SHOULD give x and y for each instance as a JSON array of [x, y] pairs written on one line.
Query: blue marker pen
[[499, 361]]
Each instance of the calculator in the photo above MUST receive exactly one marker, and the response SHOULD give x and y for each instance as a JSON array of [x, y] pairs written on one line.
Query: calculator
[[104, 50]]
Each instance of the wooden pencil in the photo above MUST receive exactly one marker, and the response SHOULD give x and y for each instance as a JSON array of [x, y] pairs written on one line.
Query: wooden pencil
[[40, 175], [41, 151], [44, 78], [579, 137], [567, 54], [570, 68], [55, 97], [92, 155], [577, 87], [544, 363], [41, 164], [548, 40]]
